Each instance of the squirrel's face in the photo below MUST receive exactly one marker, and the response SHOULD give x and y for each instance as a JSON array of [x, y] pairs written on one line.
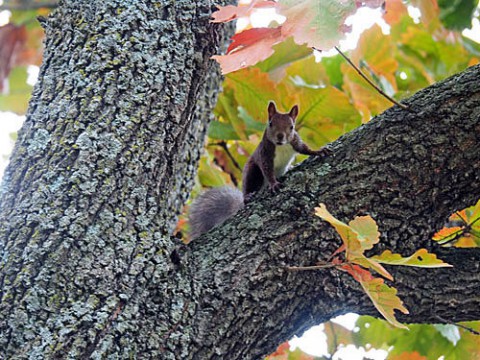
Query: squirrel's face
[[281, 127]]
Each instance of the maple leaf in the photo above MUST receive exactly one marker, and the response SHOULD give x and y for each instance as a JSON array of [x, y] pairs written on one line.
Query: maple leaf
[[384, 297], [421, 258], [316, 23], [248, 48], [467, 235], [319, 24], [360, 235]]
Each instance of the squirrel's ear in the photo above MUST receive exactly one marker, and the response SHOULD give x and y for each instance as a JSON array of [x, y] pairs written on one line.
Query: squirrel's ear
[[294, 112], [272, 110]]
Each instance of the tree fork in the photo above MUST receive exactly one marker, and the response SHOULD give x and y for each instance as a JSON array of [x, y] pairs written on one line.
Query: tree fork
[[106, 159]]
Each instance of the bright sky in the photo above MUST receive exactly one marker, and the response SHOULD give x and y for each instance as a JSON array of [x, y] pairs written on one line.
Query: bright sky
[[314, 340]]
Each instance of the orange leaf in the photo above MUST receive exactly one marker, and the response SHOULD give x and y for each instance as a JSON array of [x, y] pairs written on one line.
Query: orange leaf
[[394, 11], [282, 349], [248, 48], [383, 296], [360, 274], [407, 356], [447, 234]]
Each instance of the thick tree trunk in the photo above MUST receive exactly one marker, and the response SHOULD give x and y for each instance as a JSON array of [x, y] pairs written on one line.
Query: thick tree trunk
[[104, 163], [100, 171]]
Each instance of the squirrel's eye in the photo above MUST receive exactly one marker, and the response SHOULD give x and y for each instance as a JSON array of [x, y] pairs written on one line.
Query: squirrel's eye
[[269, 122], [291, 127]]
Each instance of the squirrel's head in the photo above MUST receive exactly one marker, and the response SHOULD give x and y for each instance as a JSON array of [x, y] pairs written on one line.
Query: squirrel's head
[[281, 126]]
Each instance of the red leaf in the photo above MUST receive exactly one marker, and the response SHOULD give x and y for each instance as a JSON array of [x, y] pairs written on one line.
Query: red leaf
[[12, 38], [248, 48], [360, 274]]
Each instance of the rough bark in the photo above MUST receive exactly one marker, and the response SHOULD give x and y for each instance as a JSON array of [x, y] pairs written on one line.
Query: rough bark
[[409, 170], [100, 171], [106, 159]]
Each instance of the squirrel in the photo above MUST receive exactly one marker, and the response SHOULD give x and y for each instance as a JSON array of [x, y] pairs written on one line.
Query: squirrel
[[270, 160]]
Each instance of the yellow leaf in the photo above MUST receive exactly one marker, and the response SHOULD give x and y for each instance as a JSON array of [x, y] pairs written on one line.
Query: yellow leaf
[[385, 300], [421, 258], [383, 296], [360, 235]]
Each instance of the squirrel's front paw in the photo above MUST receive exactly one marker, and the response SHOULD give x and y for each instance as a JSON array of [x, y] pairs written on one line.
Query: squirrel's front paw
[[325, 151], [275, 186]]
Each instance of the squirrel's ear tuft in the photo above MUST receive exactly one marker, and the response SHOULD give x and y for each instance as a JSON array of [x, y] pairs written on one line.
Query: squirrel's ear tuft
[[294, 112], [272, 110]]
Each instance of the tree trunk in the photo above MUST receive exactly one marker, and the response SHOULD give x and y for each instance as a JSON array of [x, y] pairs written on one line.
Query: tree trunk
[[100, 171], [106, 158]]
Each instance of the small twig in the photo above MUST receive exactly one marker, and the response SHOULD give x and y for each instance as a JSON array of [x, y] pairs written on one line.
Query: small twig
[[314, 267], [389, 98], [475, 332], [224, 146]]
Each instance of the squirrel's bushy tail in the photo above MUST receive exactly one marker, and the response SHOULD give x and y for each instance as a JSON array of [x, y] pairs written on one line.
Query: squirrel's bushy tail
[[212, 208]]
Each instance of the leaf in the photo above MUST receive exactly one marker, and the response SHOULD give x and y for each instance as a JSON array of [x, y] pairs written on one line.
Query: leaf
[[231, 12], [285, 53], [222, 131], [252, 91], [425, 339], [210, 174], [408, 356], [19, 92], [383, 296], [376, 54], [13, 39], [317, 23], [248, 48], [360, 235], [457, 15], [394, 11], [421, 258], [337, 335], [467, 235]]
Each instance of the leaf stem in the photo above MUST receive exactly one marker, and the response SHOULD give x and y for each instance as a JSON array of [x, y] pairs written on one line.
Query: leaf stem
[[313, 267], [475, 332], [389, 98]]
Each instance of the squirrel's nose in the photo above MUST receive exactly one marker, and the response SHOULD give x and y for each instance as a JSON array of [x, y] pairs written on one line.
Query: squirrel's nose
[[280, 137]]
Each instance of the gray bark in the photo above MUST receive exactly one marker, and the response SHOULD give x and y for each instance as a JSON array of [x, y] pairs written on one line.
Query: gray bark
[[105, 161], [409, 170], [100, 171]]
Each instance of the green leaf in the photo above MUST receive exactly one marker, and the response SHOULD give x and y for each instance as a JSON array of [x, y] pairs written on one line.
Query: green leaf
[[222, 131], [253, 90], [332, 65], [421, 258], [19, 94], [286, 53], [457, 14]]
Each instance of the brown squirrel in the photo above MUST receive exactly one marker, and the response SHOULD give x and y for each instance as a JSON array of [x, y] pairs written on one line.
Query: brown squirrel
[[270, 160]]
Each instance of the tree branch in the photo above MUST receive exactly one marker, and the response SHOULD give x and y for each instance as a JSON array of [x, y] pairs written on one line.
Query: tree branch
[[408, 170]]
